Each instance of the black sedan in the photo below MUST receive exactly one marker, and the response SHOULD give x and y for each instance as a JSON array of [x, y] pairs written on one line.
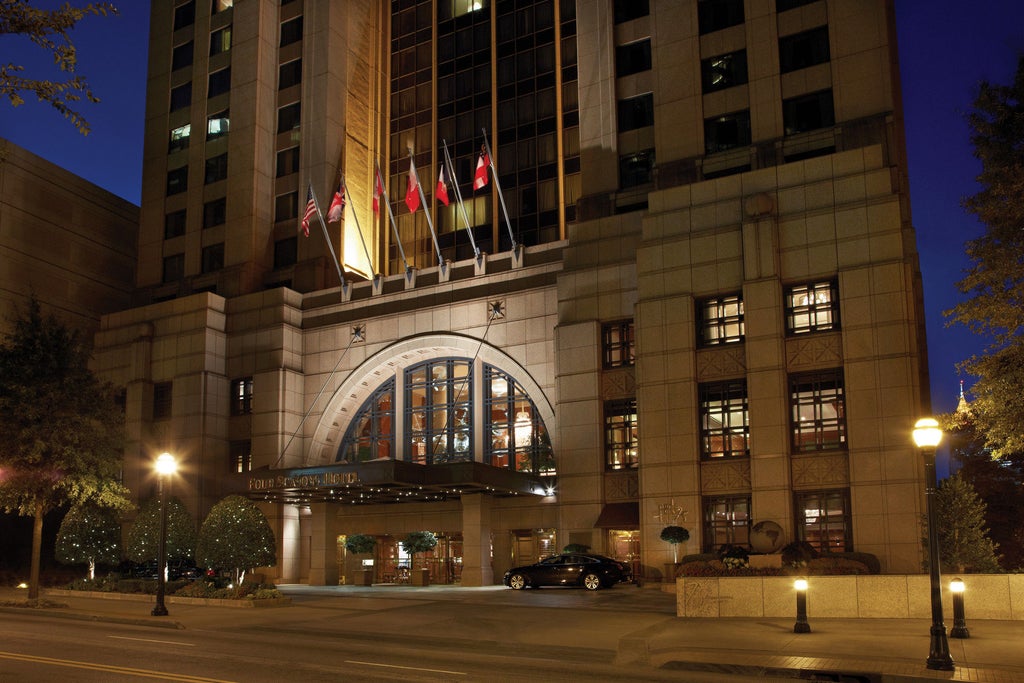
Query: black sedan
[[590, 571]]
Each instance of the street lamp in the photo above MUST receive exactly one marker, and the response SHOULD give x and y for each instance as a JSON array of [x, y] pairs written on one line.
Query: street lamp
[[165, 467], [801, 625], [959, 630], [927, 436]]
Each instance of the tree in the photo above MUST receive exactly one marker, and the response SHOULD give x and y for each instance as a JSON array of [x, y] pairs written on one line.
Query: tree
[[236, 535], [419, 542], [964, 545], [360, 543], [674, 535], [49, 30], [61, 431], [144, 537], [994, 283], [89, 535]]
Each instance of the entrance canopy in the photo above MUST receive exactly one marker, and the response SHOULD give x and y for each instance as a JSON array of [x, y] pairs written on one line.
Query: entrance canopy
[[619, 516], [384, 481]]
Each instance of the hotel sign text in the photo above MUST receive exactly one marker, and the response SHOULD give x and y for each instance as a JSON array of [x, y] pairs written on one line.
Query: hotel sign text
[[303, 481]]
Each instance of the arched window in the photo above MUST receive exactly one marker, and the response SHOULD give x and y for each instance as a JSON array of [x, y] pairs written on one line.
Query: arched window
[[516, 436], [438, 409], [371, 436]]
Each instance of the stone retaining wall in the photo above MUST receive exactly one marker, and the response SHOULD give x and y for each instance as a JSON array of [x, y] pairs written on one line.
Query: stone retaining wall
[[986, 596], [169, 599]]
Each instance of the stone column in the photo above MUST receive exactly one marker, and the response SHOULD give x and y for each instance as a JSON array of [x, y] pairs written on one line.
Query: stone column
[[476, 540], [323, 550]]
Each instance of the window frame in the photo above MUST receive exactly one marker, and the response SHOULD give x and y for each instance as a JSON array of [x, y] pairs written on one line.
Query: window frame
[[715, 126], [715, 15], [817, 407], [821, 533], [731, 75], [212, 258], [215, 212], [804, 49], [621, 435], [241, 396], [715, 319], [240, 456], [618, 344], [163, 400], [725, 520], [807, 112], [821, 315], [719, 403]]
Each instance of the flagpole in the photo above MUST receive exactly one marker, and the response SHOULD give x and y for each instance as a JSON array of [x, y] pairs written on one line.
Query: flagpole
[[327, 238], [458, 196], [426, 210], [355, 215], [391, 214], [497, 185]]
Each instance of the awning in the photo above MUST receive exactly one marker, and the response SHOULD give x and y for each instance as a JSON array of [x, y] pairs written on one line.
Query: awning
[[619, 516]]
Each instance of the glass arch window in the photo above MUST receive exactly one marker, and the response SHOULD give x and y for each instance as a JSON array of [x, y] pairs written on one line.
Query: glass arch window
[[371, 435], [515, 436], [438, 411]]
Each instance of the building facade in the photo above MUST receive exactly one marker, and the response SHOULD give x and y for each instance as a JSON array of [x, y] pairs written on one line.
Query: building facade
[[687, 293]]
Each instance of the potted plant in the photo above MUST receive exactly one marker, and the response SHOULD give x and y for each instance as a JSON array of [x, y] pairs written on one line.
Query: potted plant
[[419, 542], [674, 535], [361, 544]]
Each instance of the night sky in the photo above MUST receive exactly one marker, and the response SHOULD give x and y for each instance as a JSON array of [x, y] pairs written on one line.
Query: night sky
[[946, 47]]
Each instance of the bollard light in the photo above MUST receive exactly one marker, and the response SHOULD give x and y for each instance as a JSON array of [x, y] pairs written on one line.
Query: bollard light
[[801, 625], [166, 465], [959, 630]]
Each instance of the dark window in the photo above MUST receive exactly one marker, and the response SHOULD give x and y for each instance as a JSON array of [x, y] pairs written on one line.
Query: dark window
[[217, 168], [220, 82], [291, 31], [627, 10], [636, 112], [217, 125], [724, 420], [817, 411], [812, 307], [174, 224], [808, 112], [724, 71], [215, 212], [162, 395], [289, 74], [174, 268], [636, 169], [823, 519], [621, 445], [181, 56], [726, 522], [720, 320], [288, 117], [220, 41], [179, 138], [181, 96], [617, 344], [286, 206], [177, 180], [727, 132], [287, 161], [184, 14], [286, 252], [633, 58], [783, 5], [714, 15], [241, 456], [213, 257], [241, 396], [802, 50]]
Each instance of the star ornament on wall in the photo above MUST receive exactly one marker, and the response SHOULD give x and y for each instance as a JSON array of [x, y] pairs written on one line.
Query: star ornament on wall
[[495, 310], [358, 333]]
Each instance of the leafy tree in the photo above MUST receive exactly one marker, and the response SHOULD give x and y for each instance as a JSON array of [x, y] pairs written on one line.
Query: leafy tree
[[964, 545], [89, 535], [49, 30], [360, 543], [61, 431], [994, 283], [674, 535], [236, 535], [144, 537], [419, 542]]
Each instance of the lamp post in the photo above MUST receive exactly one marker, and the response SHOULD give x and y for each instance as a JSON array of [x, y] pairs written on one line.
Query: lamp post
[[165, 467], [927, 436], [959, 630], [801, 625]]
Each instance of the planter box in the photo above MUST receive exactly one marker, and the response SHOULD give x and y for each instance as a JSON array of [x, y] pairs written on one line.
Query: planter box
[[419, 577], [242, 603], [362, 577]]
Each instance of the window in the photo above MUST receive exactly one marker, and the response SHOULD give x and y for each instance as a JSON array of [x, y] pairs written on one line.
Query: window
[[291, 31], [714, 15], [217, 125], [802, 50], [177, 180], [220, 41], [240, 453], [181, 96], [823, 519], [371, 434], [287, 161], [726, 132], [289, 74], [213, 257], [518, 438], [726, 522], [220, 82], [817, 411], [286, 252], [217, 168], [633, 58], [627, 10], [181, 56], [812, 307], [174, 268], [620, 435], [221, 5], [179, 138], [162, 393], [215, 212], [438, 411], [184, 14], [288, 117], [724, 420], [286, 206], [723, 71], [617, 344], [241, 396], [720, 320], [636, 112], [636, 169], [808, 112], [174, 224]]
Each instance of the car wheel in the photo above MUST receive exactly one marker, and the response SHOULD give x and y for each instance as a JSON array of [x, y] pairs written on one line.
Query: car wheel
[[591, 582], [517, 582]]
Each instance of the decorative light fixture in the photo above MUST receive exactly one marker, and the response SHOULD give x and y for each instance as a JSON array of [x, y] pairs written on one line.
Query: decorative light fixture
[[166, 465]]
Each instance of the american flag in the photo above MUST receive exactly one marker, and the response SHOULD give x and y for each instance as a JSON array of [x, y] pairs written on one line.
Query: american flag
[[310, 211]]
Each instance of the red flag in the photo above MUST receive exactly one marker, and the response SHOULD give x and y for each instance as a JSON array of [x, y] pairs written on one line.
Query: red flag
[[310, 211], [337, 207], [480, 177], [412, 196], [442, 187], [378, 190]]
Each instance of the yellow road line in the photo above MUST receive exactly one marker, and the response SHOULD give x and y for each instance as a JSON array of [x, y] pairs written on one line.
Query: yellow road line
[[184, 678]]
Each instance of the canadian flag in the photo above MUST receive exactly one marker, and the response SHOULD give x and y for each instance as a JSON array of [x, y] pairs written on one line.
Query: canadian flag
[[378, 190], [412, 196], [442, 188], [480, 177]]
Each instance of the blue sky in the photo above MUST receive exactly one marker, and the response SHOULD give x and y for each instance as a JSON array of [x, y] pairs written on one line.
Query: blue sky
[[946, 47]]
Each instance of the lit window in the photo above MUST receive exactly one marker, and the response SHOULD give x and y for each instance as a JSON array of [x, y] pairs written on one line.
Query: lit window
[[724, 71], [371, 434], [817, 411], [720, 320], [517, 436], [221, 5], [726, 522], [241, 456], [438, 411], [812, 308], [724, 420], [220, 41], [823, 519], [241, 396], [621, 443], [217, 125], [617, 344], [179, 138]]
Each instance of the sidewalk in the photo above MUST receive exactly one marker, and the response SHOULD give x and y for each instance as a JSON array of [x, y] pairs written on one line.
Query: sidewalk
[[636, 627]]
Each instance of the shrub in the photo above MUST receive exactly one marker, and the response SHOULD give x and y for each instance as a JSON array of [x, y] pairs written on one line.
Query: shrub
[[734, 556], [867, 559], [699, 557], [798, 554], [360, 543], [830, 565], [576, 548]]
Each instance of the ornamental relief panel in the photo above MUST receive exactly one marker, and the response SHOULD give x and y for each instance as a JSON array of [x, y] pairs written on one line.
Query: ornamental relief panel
[[721, 363], [820, 470], [618, 383], [725, 477], [814, 351], [619, 486]]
